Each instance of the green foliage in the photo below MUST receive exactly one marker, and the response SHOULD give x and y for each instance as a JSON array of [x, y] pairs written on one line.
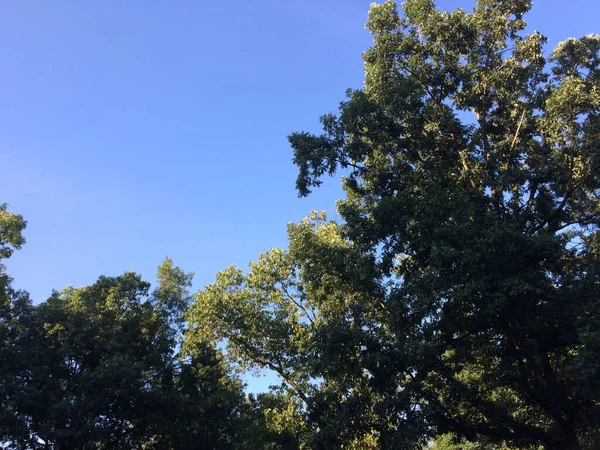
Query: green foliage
[[242, 309], [15, 320], [112, 365], [456, 306], [286, 314], [450, 442], [107, 352], [473, 182], [11, 229], [11, 239], [172, 297], [98, 367], [272, 421]]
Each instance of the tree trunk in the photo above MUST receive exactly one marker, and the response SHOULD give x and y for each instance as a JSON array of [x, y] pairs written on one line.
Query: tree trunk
[[565, 438]]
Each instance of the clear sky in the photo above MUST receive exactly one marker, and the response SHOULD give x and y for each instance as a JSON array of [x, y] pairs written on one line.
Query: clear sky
[[135, 130]]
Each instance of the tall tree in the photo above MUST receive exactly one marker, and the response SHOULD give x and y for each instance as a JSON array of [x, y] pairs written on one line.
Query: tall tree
[[100, 367], [473, 181], [302, 313]]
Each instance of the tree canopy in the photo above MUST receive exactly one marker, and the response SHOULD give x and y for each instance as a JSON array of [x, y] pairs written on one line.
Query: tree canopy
[[473, 182], [102, 366], [459, 294]]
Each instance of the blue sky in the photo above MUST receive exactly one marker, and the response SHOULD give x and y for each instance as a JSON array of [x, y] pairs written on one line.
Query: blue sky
[[131, 131]]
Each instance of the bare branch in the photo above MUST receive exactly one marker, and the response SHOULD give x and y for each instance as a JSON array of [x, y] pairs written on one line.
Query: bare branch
[[512, 145]]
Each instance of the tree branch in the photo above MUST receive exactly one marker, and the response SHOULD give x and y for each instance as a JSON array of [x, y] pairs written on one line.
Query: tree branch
[[568, 195], [310, 317], [512, 145]]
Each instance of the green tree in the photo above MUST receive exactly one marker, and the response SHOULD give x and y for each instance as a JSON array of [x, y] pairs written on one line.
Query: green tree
[[11, 239], [301, 313], [100, 367], [473, 180], [264, 321], [11, 232], [15, 320]]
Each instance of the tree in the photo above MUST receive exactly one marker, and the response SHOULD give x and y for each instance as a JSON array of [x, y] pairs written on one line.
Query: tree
[[473, 181], [264, 321], [285, 315], [11, 239], [15, 319], [100, 367]]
